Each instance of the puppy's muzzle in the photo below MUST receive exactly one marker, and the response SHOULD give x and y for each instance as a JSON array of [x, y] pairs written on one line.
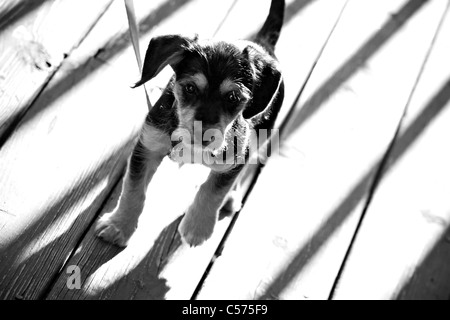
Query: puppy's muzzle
[[206, 142], [199, 138]]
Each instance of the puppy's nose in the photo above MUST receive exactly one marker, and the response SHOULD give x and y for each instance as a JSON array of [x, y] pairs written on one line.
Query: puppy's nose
[[207, 116]]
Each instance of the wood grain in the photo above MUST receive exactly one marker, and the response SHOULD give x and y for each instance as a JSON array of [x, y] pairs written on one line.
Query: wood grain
[[35, 37]]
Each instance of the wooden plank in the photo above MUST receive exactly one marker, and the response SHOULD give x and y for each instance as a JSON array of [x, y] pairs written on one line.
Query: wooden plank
[[109, 273], [402, 249], [67, 154], [35, 37], [292, 235]]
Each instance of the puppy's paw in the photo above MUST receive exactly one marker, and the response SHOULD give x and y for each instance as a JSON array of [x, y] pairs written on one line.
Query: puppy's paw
[[114, 230], [195, 228]]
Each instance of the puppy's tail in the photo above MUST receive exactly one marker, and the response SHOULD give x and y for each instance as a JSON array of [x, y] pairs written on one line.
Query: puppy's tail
[[270, 31]]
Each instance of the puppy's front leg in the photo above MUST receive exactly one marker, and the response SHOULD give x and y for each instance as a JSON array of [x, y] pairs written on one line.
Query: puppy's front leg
[[198, 223], [118, 226]]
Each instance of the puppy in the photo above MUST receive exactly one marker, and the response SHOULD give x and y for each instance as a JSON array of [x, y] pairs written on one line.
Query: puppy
[[221, 93]]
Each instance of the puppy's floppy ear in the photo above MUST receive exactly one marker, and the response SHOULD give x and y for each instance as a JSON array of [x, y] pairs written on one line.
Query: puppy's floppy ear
[[267, 87], [163, 51]]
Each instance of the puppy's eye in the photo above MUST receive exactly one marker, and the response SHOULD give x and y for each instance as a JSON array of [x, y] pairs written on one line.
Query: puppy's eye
[[190, 89], [233, 97]]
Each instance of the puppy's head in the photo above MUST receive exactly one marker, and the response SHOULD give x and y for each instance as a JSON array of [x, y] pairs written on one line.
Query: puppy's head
[[217, 84]]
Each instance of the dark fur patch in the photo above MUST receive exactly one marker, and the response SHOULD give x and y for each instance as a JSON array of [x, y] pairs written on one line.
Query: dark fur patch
[[217, 62]]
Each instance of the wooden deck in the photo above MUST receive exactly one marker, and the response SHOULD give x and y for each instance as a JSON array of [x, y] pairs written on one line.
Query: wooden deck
[[353, 207]]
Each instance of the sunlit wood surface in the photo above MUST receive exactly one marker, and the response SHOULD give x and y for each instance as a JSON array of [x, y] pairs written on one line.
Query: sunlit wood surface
[[353, 207]]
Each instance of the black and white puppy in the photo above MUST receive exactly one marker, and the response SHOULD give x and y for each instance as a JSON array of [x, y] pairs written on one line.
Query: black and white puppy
[[221, 93]]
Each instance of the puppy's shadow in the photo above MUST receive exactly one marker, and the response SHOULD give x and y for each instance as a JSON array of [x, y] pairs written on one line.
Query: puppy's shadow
[[135, 272], [116, 277]]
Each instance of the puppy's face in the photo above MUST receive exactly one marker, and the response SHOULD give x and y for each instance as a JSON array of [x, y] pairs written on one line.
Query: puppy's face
[[213, 85], [218, 86]]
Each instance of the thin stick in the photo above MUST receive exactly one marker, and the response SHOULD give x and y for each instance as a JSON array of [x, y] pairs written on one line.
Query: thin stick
[[134, 33]]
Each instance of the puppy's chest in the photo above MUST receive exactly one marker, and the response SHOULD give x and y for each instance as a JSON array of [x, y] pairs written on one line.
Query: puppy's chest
[[156, 140]]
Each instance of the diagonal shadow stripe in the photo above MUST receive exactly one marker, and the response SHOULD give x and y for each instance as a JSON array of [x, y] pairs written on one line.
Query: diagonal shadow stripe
[[109, 50], [430, 279], [21, 280], [294, 8], [291, 11], [15, 12], [359, 192], [352, 65]]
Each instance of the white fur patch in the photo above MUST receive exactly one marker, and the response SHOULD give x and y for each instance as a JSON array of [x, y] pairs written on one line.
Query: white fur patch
[[186, 117], [200, 81], [154, 139], [228, 85]]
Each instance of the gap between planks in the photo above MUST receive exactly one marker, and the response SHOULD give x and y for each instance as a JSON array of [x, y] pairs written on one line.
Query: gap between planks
[[118, 182], [385, 172], [8, 129], [172, 239], [23, 285], [367, 51], [284, 126], [382, 166], [46, 291]]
